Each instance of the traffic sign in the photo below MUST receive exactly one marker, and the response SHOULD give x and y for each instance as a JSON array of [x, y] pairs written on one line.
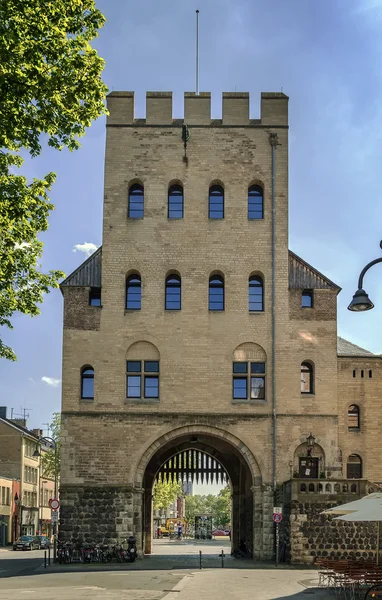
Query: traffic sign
[[278, 510], [54, 515], [277, 517], [54, 503]]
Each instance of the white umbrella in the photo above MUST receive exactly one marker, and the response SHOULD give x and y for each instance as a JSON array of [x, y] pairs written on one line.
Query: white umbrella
[[368, 508], [372, 502]]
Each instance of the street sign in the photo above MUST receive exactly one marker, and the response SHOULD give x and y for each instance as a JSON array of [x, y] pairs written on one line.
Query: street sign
[[54, 504], [54, 515], [277, 517], [278, 510]]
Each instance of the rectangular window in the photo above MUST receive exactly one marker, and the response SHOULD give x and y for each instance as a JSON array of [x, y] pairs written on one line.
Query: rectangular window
[[240, 388], [134, 381], [248, 376], [95, 297], [240, 367], [8, 496], [133, 386], [151, 386], [146, 381], [257, 388], [307, 299]]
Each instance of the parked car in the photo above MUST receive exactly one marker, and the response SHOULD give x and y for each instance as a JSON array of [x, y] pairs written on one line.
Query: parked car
[[27, 542], [44, 542], [218, 532]]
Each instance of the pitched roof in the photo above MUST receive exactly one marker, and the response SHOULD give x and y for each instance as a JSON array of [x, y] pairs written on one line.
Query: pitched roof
[[20, 428], [88, 274], [301, 274], [304, 276], [346, 348]]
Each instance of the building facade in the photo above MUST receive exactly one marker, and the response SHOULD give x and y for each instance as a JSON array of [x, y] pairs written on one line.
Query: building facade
[[30, 491], [194, 327]]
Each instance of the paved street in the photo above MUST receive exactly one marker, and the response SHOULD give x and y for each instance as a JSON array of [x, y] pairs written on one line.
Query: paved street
[[23, 576], [13, 564]]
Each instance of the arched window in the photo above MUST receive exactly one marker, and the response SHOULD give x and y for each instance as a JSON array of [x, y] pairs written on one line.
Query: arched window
[[216, 293], [306, 378], [216, 202], [173, 293], [87, 383], [353, 418], [136, 202], [354, 467], [175, 202], [133, 292], [255, 202], [255, 294]]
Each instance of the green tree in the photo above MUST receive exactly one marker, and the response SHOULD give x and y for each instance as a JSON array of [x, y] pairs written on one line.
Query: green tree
[[165, 492], [222, 508], [219, 507], [51, 90], [47, 459]]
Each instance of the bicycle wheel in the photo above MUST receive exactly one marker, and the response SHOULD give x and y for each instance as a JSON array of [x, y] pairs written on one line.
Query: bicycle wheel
[[374, 592]]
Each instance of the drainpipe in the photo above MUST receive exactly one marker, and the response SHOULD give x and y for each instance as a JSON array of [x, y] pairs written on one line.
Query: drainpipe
[[273, 140]]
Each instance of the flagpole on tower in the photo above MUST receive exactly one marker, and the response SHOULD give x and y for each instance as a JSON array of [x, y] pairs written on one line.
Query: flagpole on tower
[[197, 53]]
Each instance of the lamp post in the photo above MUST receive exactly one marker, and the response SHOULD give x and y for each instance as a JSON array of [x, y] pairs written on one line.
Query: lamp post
[[361, 300], [37, 453]]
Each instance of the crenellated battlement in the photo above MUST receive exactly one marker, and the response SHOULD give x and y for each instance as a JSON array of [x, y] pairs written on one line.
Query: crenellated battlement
[[197, 110]]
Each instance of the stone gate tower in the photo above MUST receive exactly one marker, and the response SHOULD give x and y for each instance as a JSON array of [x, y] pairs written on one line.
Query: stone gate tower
[[194, 326]]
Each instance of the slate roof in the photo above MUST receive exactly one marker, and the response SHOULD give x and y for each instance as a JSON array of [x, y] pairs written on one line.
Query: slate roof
[[346, 348], [88, 274], [303, 276]]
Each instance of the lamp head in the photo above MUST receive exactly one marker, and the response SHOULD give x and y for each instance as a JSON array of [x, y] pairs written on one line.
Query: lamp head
[[36, 453], [360, 302], [311, 440]]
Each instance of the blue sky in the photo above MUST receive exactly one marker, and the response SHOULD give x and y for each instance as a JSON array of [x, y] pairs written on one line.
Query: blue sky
[[325, 55]]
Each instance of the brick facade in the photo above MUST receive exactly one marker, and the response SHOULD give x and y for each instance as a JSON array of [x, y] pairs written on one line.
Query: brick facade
[[105, 439]]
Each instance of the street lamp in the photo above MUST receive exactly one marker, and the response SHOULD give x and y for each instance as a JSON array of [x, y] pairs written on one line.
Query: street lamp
[[36, 454], [311, 440], [361, 300]]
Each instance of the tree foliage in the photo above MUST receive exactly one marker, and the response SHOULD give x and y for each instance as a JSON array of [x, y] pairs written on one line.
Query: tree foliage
[[51, 90], [218, 506], [165, 492], [47, 458]]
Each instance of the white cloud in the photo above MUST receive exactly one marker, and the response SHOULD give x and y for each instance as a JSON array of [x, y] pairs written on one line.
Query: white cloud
[[51, 381], [87, 248]]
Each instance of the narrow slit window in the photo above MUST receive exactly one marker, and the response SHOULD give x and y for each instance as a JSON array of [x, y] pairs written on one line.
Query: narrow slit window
[[136, 202], [175, 202], [255, 203], [133, 292], [216, 202], [306, 378], [87, 383], [216, 293], [353, 418], [255, 294], [173, 298]]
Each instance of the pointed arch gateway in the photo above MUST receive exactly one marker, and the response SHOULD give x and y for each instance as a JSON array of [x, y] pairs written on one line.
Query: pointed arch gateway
[[221, 455]]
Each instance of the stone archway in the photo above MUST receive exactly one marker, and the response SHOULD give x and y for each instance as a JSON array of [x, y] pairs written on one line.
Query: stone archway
[[240, 466]]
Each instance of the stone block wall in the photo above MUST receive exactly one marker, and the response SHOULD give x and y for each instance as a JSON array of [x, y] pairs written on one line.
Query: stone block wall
[[98, 514]]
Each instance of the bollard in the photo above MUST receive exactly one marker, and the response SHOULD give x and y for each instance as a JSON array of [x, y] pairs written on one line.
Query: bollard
[[222, 559], [45, 558], [200, 559], [49, 555]]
